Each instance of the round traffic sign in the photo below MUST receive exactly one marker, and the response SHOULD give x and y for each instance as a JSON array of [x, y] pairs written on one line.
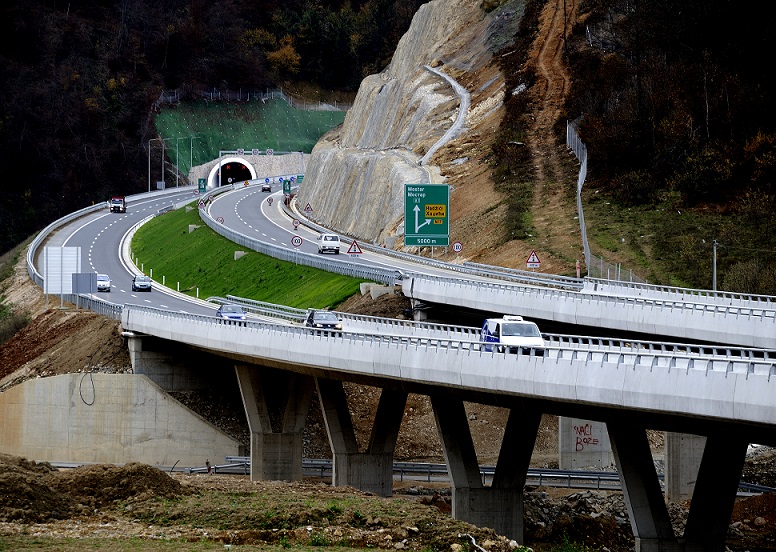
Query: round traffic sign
[[296, 224], [296, 241], [269, 200], [220, 219], [266, 180], [457, 247]]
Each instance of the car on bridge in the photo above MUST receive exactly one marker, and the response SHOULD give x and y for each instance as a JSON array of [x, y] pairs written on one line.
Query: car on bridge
[[231, 312], [328, 242], [141, 282], [103, 282], [323, 320], [512, 334]]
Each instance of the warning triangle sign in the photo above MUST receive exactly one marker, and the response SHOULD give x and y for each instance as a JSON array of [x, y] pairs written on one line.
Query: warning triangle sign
[[533, 260], [354, 249]]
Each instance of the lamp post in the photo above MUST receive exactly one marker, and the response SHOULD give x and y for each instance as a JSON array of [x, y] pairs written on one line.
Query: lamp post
[[177, 166], [714, 262], [149, 158]]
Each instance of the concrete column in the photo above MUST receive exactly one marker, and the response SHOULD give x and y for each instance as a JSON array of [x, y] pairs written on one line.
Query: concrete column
[[715, 493], [643, 497], [372, 470], [583, 444], [500, 506], [682, 461], [276, 404]]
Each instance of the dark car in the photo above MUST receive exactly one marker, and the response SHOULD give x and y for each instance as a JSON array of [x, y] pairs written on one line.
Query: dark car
[[323, 320], [141, 282], [231, 312], [266, 188]]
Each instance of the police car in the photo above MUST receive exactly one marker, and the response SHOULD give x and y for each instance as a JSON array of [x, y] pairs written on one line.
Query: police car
[[512, 334]]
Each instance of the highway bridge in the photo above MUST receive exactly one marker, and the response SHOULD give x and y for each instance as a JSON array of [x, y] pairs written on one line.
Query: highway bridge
[[722, 393]]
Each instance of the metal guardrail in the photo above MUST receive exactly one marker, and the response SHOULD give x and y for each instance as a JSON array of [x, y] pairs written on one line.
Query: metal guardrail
[[766, 314], [696, 295], [646, 358], [541, 477], [355, 270], [431, 329], [471, 269]]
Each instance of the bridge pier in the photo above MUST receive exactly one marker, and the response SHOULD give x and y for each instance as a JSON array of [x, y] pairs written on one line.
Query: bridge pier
[[370, 471], [499, 506], [276, 404], [712, 500]]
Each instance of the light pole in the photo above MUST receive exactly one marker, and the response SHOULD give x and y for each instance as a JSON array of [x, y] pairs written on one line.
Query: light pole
[[177, 166], [149, 159], [714, 272]]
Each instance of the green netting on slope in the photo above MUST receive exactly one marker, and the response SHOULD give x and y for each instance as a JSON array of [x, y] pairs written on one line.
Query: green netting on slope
[[194, 133]]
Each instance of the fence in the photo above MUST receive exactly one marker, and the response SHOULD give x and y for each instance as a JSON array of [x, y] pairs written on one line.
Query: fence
[[240, 95], [596, 267]]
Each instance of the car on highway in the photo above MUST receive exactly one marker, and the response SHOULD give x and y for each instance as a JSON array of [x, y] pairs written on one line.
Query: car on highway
[[328, 242], [103, 282], [511, 334], [231, 312], [323, 320], [266, 187], [141, 282]]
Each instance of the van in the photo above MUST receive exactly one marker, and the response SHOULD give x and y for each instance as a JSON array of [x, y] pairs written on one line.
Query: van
[[328, 242], [511, 334]]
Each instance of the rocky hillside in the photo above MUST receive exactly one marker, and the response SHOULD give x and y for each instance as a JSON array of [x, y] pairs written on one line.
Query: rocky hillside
[[356, 173]]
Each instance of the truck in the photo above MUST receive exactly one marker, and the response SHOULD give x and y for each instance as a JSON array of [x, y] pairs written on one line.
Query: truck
[[118, 204]]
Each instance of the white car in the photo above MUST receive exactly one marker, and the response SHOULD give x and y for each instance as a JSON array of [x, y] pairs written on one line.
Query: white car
[[103, 282], [328, 242], [512, 334]]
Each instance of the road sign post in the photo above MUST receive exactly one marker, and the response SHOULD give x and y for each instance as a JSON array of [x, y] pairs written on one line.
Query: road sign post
[[426, 215], [533, 260], [296, 241]]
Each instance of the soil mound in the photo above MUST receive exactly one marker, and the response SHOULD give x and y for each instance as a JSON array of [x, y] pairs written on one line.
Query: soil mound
[[35, 493]]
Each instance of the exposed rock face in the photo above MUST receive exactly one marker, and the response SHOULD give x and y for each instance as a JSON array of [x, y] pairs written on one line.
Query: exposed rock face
[[356, 174]]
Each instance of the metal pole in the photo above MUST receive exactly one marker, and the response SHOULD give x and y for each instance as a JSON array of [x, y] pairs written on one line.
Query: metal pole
[[177, 166], [162, 141], [149, 165], [714, 273]]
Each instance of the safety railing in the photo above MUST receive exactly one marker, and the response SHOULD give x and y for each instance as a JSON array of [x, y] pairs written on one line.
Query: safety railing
[[142, 318], [354, 270], [766, 313], [660, 291]]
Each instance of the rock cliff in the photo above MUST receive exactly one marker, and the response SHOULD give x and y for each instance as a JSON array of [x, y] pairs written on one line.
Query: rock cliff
[[356, 174]]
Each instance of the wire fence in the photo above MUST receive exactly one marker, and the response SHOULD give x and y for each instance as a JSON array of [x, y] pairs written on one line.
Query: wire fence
[[597, 267], [240, 95]]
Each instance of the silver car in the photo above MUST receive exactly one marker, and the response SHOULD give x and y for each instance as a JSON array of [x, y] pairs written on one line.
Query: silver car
[[103, 282]]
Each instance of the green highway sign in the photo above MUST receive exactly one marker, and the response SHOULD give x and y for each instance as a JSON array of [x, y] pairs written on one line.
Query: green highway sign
[[202, 184], [286, 186], [426, 215]]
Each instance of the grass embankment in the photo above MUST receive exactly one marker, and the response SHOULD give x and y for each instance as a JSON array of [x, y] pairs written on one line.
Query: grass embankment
[[205, 262], [195, 132]]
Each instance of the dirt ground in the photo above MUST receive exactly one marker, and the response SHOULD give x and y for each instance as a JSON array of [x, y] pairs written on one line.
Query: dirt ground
[[140, 501]]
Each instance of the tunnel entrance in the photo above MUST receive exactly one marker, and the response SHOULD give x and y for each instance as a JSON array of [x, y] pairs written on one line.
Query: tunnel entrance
[[234, 171]]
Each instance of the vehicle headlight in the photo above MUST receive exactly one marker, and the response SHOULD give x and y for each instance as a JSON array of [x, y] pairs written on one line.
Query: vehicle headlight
[[338, 326]]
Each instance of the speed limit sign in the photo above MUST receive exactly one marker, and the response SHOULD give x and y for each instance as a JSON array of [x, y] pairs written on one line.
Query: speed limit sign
[[457, 247], [296, 224], [296, 241]]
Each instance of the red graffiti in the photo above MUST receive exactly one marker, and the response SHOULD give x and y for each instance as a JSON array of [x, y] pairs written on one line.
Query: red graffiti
[[584, 437]]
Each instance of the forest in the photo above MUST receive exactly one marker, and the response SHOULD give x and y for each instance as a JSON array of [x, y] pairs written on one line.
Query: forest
[[79, 81], [672, 98]]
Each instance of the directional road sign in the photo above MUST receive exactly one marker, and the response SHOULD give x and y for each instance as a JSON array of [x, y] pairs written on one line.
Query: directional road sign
[[426, 214]]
